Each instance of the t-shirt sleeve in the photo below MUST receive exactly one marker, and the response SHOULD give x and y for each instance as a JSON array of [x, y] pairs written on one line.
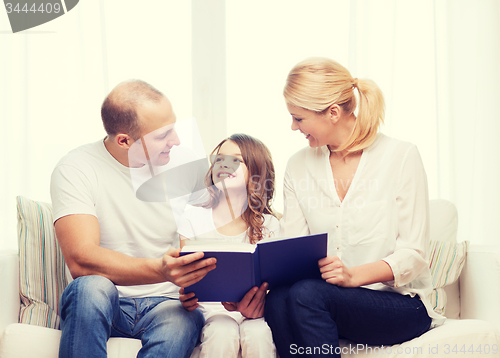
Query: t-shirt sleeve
[[71, 192], [409, 257], [185, 227]]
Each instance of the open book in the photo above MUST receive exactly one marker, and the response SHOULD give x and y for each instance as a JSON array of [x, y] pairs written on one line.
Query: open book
[[242, 266]]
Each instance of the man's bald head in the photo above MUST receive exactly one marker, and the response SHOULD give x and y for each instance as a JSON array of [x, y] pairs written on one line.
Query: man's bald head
[[119, 109]]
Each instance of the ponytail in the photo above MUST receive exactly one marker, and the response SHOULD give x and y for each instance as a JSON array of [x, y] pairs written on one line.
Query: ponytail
[[371, 112]]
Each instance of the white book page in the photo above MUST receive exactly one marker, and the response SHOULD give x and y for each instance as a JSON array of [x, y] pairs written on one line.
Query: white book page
[[216, 246]]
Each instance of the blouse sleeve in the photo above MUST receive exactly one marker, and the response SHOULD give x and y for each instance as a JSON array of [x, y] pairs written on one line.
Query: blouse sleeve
[[272, 226], [293, 223], [410, 254]]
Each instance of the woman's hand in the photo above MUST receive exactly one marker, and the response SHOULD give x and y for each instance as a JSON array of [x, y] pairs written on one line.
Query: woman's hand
[[252, 304], [333, 271], [188, 301]]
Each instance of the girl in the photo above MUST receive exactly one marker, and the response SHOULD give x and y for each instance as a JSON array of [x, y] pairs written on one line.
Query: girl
[[371, 197], [241, 187]]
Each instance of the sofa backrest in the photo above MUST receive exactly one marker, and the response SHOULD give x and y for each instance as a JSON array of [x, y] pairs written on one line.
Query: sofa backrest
[[42, 281], [443, 227], [443, 220]]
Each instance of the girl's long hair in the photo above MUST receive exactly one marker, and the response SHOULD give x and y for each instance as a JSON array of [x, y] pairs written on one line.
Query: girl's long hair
[[260, 184]]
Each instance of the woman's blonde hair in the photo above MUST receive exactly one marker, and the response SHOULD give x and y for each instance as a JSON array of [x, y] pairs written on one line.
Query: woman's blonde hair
[[318, 83]]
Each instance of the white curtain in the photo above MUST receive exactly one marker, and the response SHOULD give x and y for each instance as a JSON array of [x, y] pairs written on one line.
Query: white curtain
[[436, 62], [468, 87], [439, 65], [54, 77]]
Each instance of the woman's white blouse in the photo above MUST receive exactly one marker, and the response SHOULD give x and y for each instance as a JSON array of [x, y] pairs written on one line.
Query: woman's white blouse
[[384, 215]]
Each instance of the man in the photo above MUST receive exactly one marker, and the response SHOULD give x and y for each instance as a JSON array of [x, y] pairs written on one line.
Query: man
[[118, 248]]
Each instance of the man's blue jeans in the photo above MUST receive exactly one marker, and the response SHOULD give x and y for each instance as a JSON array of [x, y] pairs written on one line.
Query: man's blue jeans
[[92, 312], [314, 314]]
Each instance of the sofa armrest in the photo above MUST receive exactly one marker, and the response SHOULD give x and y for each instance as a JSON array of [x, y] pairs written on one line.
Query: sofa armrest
[[9, 289], [480, 284]]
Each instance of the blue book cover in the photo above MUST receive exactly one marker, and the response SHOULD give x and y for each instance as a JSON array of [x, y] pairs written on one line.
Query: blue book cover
[[242, 266]]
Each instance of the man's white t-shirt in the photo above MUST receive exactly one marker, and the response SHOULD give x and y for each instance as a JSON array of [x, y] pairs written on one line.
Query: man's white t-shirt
[[89, 180]]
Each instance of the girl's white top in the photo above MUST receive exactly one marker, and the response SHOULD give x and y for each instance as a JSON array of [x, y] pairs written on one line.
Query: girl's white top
[[197, 224]]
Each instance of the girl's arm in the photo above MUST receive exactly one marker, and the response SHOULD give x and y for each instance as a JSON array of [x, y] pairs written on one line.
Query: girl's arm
[[183, 240], [252, 304], [188, 300]]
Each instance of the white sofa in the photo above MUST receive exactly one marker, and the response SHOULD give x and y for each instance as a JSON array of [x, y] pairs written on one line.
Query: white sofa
[[473, 302]]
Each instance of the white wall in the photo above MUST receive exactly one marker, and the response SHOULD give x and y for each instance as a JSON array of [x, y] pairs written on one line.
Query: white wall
[[226, 62], [265, 39], [54, 78]]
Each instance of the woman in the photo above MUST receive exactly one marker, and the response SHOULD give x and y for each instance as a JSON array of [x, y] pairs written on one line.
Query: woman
[[369, 193], [241, 186]]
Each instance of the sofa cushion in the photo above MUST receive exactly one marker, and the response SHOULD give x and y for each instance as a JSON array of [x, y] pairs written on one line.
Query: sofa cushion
[[44, 343], [9, 288], [446, 261], [452, 308], [42, 270], [443, 227], [455, 338]]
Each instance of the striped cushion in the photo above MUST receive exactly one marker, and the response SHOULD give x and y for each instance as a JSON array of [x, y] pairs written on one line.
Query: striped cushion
[[446, 261], [42, 271]]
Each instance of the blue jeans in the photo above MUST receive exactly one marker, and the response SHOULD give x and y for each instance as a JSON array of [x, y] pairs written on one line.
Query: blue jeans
[[314, 314], [92, 312]]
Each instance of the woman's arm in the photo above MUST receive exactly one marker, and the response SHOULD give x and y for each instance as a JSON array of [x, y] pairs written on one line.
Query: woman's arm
[[333, 271], [410, 251], [409, 258]]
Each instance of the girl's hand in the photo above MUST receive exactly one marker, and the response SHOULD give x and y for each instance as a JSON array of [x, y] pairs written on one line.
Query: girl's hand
[[333, 271], [252, 304], [188, 301]]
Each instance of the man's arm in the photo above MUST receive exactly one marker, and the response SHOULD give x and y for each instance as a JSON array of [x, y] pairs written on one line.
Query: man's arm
[[79, 239]]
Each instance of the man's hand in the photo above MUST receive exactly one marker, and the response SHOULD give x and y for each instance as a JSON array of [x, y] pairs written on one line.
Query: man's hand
[[252, 304], [333, 271], [188, 301], [186, 270]]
